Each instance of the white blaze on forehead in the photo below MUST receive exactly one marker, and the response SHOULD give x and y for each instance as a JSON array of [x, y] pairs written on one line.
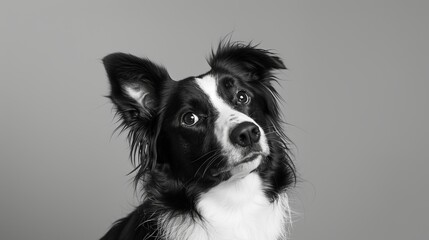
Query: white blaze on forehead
[[209, 85], [227, 119], [227, 115]]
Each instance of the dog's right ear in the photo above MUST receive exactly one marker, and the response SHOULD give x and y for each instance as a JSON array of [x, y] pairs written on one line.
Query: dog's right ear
[[135, 85]]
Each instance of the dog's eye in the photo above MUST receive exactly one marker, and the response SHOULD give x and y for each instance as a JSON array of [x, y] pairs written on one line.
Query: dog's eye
[[242, 97], [190, 119]]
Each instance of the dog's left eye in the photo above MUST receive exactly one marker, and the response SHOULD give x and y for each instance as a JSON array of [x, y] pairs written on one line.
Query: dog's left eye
[[190, 119], [242, 97]]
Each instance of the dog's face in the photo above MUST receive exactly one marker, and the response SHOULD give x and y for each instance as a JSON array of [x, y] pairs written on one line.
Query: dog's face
[[214, 126]]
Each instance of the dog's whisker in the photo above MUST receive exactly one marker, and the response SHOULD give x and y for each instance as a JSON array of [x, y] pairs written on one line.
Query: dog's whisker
[[205, 154], [210, 163], [214, 156]]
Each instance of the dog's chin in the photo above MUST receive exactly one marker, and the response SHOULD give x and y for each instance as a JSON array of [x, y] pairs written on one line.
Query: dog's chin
[[246, 166], [242, 168]]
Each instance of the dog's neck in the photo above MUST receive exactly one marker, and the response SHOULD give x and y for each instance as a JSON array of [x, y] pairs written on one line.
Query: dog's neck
[[235, 209]]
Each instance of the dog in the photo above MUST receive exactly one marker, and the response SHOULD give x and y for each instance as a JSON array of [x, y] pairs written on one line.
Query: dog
[[210, 153]]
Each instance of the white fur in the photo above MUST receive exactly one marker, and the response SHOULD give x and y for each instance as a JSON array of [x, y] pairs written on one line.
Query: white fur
[[137, 93], [234, 210], [227, 120]]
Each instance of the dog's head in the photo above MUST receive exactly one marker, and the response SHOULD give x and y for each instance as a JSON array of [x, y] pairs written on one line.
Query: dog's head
[[221, 124]]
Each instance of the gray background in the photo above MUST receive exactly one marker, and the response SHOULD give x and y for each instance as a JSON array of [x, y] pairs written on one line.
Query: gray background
[[356, 100]]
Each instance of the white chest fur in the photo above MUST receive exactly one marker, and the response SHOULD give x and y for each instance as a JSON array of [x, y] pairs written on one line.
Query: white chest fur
[[235, 210]]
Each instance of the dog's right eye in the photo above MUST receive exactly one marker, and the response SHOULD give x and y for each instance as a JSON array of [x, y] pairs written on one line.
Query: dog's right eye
[[190, 119]]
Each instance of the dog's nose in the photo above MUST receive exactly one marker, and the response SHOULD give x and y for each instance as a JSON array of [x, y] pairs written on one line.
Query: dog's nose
[[245, 134]]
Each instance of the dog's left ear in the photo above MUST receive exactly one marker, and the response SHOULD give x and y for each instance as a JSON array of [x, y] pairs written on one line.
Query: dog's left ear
[[251, 62]]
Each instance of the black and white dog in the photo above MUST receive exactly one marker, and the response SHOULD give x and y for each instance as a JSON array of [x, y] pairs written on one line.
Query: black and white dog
[[210, 152]]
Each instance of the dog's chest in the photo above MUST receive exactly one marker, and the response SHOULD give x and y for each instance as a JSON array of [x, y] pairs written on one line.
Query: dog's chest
[[239, 210]]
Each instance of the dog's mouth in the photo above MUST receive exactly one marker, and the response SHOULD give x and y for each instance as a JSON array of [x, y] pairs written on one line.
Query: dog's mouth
[[249, 158], [247, 164]]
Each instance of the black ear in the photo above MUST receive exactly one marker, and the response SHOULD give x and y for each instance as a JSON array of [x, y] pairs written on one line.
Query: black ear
[[246, 59], [135, 85]]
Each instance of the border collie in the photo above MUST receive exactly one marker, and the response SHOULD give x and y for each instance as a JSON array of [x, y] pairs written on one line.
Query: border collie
[[211, 156]]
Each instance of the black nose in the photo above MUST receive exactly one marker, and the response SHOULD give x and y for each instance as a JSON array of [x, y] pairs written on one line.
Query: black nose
[[245, 134]]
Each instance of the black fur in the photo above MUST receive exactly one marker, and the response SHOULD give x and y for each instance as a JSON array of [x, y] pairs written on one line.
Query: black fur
[[173, 162]]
